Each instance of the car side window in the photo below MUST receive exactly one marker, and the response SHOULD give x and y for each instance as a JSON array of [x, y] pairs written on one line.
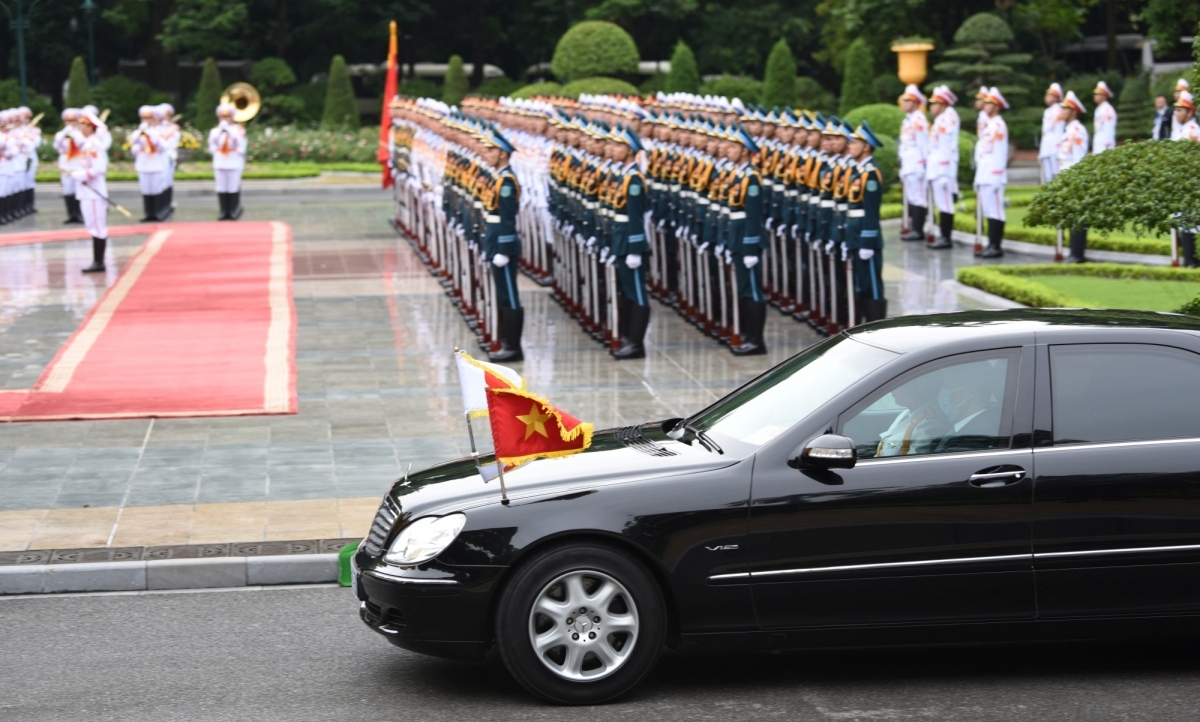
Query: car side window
[[960, 403], [1123, 392]]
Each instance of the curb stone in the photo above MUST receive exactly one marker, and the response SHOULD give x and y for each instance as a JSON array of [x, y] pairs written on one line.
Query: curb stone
[[162, 574], [1036, 249]]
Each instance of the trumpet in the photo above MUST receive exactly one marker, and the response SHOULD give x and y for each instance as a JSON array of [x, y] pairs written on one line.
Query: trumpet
[[245, 99]]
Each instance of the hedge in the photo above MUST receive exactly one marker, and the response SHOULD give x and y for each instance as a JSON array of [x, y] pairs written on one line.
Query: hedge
[[1049, 237], [593, 48], [857, 88], [733, 86], [597, 86], [884, 118], [1011, 282], [534, 89]]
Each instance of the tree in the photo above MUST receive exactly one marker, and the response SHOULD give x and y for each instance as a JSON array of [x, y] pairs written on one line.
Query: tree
[[79, 90], [1169, 20], [858, 77], [594, 48], [1052, 22], [208, 95], [981, 56], [272, 75], [684, 76], [341, 109], [779, 83], [456, 86], [199, 28]]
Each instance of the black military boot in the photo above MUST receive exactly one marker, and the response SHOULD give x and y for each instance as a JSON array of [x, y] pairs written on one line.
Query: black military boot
[[634, 343], [78, 210], [98, 246], [68, 201], [1187, 248], [995, 236], [624, 311], [754, 318], [512, 323], [224, 212], [1078, 246], [235, 205], [147, 208], [33, 200], [916, 215], [168, 202], [946, 224]]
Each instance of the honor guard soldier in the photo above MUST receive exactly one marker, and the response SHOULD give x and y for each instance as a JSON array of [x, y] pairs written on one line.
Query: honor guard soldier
[[991, 173], [150, 162], [1104, 120], [68, 161], [1181, 86], [169, 130], [914, 153], [1189, 130], [1072, 148], [31, 141], [91, 136], [628, 247], [864, 238], [942, 166], [1052, 130], [501, 246], [227, 144], [745, 243]]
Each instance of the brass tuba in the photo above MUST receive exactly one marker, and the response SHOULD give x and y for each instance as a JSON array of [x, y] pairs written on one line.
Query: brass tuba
[[245, 99]]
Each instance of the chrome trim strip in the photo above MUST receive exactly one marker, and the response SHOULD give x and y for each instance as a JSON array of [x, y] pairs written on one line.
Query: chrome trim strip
[[856, 567], [1093, 552], [1115, 444], [406, 580], [926, 457]]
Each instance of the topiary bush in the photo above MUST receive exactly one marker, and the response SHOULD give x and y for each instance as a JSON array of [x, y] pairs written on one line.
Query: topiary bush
[[123, 96], [653, 85], [810, 95], [420, 88], [496, 87], [981, 56], [887, 158], [1147, 186], [597, 86], [272, 75], [1025, 126], [456, 85], [685, 74], [857, 74], [594, 48], [549, 87], [203, 111], [779, 83], [887, 87], [884, 118], [733, 86], [341, 109], [1135, 110], [79, 88]]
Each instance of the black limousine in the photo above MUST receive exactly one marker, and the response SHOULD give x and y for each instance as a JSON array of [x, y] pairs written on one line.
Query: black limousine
[[978, 476]]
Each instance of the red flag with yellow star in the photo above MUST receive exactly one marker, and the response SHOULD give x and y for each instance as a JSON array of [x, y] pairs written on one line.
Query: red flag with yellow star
[[527, 427]]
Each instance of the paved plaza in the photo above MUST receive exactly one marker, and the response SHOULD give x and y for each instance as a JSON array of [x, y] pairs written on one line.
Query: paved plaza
[[377, 387]]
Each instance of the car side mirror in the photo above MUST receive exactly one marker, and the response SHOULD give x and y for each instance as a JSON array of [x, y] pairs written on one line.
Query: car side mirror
[[829, 451]]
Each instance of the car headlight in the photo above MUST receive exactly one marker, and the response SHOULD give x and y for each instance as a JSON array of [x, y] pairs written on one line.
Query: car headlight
[[424, 539]]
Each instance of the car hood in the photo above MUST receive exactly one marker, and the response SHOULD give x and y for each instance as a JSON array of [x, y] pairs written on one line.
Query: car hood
[[615, 455]]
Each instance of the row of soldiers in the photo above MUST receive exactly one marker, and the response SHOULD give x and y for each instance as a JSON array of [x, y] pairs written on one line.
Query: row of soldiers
[[715, 208], [155, 147], [20, 137], [83, 145]]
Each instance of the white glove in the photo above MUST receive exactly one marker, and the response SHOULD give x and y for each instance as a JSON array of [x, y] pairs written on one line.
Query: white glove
[[829, 247], [729, 257], [662, 224], [603, 254], [499, 260], [796, 232], [633, 260], [703, 247], [591, 243], [767, 225], [866, 253], [750, 261], [612, 260], [845, 252], [720, 249]]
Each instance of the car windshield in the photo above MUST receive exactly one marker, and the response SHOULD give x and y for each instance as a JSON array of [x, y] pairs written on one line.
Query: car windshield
[[774, 402]]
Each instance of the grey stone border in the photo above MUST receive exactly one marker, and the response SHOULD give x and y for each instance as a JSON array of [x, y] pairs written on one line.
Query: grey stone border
[[1039, 251]]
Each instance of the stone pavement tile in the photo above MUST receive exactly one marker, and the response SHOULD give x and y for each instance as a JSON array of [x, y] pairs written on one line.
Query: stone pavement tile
[[304, 515], [18, 528], [75, 528], [355, 515], [227, 522], [153, 525]]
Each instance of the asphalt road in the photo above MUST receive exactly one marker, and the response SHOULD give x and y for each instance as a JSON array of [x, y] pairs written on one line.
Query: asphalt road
[[302, 654]]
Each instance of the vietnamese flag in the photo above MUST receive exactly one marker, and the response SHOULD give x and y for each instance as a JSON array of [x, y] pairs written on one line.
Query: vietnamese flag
[[385, 115], [527, 427]]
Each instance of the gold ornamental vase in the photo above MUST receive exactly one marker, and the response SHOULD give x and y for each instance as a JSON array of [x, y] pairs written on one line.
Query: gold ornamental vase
[[912, 61]]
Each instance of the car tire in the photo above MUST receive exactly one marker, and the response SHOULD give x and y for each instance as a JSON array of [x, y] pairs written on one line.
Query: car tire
[[566, 657]]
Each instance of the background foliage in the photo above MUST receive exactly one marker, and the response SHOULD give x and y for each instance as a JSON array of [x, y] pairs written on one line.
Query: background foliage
[[594, 48]]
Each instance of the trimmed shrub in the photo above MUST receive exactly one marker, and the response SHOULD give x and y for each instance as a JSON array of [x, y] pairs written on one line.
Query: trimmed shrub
[[547, 88], [10, 97], [1025, 126], [883, 118], [594, 48], [857, 74], [1135, 110], [420, 88], [810, 95], [208, 95], [685, 74], [1013, 282], [341, 110], [1083, 85], [654, 84], [272, 76], [597, 86], [981, 56], [123, 96], [456, 85], [887, 158], [732, 86], [779, 83], [887, 87], [496, 87], [312, 95], [79, 88]]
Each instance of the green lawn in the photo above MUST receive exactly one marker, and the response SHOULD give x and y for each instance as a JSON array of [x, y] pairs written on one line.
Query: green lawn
[[1133, 293]]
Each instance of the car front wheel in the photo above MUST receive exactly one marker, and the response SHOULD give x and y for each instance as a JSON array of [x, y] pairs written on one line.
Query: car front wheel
[[580, 625]]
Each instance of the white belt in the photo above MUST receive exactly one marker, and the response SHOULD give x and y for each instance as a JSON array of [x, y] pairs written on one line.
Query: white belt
[[828, 204], [479, 204], [843, 206], [791, 194], [737, 216], [814, 200], [590, 205], [492, 218], [805, 197], [703, 201], [656, 185], [856, 213], [725, 212], [776, 186], [688, 194], [674, 186], [621, 218]]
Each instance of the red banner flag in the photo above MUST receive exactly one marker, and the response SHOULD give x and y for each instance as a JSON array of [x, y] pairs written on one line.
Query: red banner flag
[[527, 427], [385, 115]]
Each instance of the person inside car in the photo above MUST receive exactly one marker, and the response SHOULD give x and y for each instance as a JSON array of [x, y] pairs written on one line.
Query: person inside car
[[921, 426], [975, 395]]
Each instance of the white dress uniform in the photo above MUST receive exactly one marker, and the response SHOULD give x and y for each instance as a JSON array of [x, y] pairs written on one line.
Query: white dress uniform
[[10, 159], [1052, 130], [68, 161], [150, 162], [227, 143], [169, 131], [914, 154], [1181, 86], [991, 171], [1073, 146], [91, 187], [1104, 122], [942, 165]]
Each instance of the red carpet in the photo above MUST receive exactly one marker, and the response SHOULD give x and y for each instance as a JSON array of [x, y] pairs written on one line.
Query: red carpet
[[200, 323]]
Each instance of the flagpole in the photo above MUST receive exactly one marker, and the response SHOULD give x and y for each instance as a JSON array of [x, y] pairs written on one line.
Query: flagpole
[[475, 453]]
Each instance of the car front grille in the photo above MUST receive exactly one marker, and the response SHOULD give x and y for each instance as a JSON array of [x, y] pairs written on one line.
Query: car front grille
[[381, 528]]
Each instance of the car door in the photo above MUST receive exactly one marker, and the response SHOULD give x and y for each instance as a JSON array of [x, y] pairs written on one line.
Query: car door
[[933, 522], [1117, 486]]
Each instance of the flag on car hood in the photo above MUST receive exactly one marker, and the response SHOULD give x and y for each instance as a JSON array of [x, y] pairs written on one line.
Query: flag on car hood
[[526, 427], [476, 377]]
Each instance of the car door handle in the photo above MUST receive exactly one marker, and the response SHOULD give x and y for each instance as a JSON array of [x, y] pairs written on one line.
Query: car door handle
[[992, 479]]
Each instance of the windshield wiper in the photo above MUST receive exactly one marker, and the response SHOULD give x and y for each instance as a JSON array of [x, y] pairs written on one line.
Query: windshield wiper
[[705, 440]]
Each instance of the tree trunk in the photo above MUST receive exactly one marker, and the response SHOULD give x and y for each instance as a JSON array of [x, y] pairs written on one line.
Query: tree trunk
[[477, 43], [1113, 61]]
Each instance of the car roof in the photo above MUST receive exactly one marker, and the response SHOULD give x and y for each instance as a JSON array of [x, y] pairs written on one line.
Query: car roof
[[915, 333]]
